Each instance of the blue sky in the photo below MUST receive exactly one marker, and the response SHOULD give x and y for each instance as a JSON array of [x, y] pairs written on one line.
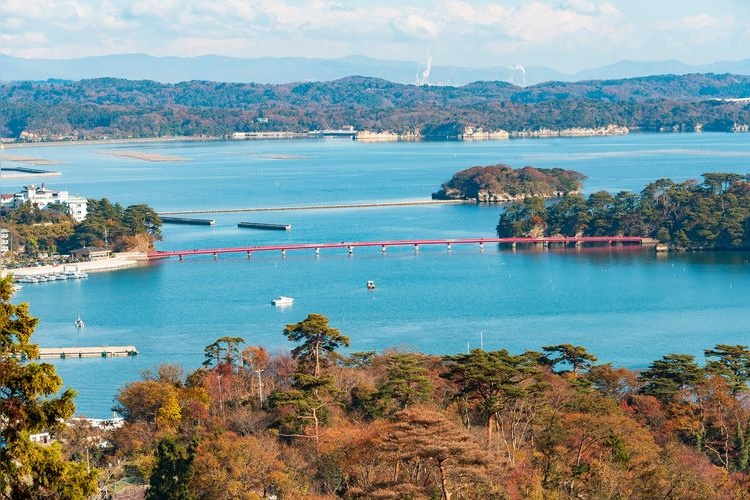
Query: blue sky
[[568, 35]]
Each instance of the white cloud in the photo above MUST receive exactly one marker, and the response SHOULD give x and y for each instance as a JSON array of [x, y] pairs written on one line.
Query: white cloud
[[417, 25], [583, 6], [573, 33]]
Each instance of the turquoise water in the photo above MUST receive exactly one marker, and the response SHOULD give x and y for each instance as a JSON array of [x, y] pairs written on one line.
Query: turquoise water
[[627, 306]]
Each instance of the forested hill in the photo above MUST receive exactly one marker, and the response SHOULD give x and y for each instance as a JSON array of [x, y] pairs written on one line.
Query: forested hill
[[116, 107]]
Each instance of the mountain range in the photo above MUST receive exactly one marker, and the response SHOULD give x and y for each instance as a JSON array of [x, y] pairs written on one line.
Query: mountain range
[[279, 70]]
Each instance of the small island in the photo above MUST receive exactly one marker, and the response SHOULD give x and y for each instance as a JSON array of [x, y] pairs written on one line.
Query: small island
[[501, 183]]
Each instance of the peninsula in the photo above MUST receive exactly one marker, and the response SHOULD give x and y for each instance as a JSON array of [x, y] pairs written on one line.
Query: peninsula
[[692, 215]]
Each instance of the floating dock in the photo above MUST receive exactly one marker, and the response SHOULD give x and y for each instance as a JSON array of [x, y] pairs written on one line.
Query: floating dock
[[86, 352], [188, 220], [263, 225]]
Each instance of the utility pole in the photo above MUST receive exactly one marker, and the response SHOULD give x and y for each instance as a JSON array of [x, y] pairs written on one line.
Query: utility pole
[[260, 388]]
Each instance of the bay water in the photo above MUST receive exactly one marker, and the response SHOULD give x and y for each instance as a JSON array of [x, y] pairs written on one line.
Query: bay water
[[628, 306]]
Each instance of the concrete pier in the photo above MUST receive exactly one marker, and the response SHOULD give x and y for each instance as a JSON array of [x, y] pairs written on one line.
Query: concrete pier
[[263, 225], [86, 352], [188, 220]]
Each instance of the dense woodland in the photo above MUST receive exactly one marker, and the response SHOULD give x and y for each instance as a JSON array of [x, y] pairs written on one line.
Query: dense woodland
[[52, 230], [326, 421], [503, 183], [123, 108], [712, 214]]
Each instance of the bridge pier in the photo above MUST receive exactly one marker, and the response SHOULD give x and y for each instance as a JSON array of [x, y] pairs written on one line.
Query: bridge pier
[[481, 246], [416, 248], [216, 256], [317, 251], [283, 252], [382, 248], [513, 245], [350, 249], [450, 248]]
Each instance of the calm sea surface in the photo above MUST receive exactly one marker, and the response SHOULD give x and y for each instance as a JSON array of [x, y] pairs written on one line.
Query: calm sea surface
[[629, 307]]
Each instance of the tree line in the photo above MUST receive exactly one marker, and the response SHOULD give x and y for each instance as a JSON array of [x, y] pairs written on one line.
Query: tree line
[[712, 214], [324, 421], [124, 108]]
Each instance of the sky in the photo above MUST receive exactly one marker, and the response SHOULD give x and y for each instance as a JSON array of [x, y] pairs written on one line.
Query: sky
[[567, 35]]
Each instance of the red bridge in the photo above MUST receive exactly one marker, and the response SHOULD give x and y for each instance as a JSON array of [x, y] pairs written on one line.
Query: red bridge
[[351, 245]]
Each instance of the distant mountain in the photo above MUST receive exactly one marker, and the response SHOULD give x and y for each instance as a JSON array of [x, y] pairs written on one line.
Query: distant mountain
[[279, 70], [634, 69], [275, 70]]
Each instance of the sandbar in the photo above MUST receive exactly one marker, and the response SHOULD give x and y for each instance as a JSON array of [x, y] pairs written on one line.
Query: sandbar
[[145, 156]]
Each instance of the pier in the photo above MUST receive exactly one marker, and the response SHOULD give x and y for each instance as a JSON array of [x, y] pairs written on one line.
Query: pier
[[188, 220], [86, 352], [416, 244], [263, 225]]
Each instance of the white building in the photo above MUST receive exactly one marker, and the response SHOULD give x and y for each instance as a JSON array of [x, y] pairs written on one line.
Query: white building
[[42, 196]]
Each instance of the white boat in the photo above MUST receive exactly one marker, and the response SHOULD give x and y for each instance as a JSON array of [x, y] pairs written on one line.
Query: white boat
[[371, 285], [76, 275], [79, 323], [282, 301]]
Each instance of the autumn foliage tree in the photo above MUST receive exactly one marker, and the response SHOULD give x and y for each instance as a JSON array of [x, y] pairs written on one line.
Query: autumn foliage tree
[[427, 453]]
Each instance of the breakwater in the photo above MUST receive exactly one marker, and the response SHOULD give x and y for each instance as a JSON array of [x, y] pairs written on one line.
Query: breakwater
[[317, 207], [188, 220], [263, 225]]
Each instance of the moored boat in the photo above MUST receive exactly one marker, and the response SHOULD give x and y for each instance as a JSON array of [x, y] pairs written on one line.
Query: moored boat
[[282, 301]]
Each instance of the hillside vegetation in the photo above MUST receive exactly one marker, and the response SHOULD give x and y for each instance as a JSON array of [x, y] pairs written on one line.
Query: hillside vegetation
[[125, 108], [320, 423]]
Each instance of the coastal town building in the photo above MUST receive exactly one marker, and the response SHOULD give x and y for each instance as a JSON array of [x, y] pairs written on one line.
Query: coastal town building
[[90, 253], [42, 197]]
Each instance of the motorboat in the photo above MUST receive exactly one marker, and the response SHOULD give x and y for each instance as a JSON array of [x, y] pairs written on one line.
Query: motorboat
[[282, 301], [371, 285], [79, 323]]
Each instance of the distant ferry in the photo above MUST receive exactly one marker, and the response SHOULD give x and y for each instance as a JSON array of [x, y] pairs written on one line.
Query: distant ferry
[[342, 132]]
